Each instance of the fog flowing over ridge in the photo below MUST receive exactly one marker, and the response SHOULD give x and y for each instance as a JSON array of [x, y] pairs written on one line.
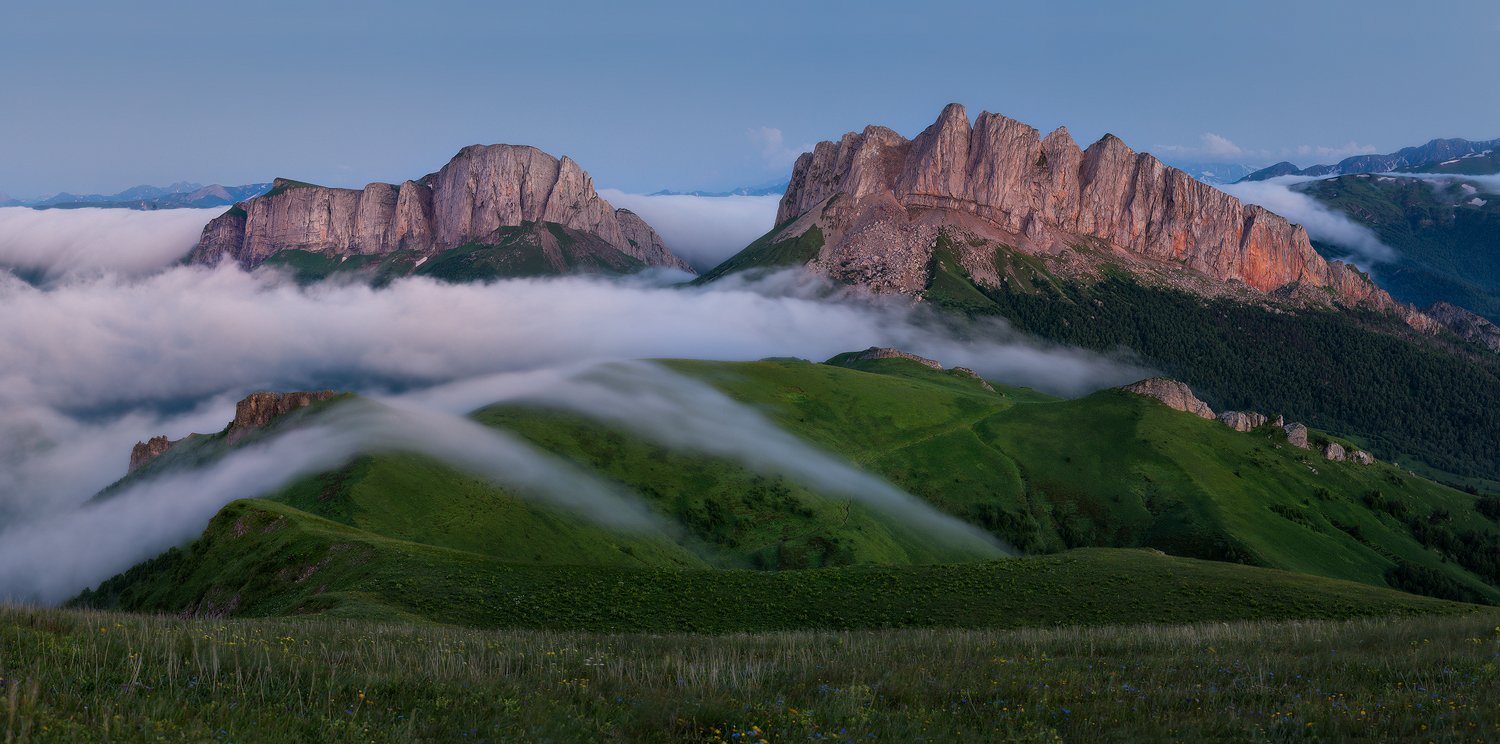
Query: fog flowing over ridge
[[96, 361], [684, 414], [54, 244], [1323, 224], [703, 230], [53, 558], [92, 365], [192, 332]]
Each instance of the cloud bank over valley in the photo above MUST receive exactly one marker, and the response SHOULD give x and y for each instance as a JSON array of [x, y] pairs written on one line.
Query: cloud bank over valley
[[108, 352]]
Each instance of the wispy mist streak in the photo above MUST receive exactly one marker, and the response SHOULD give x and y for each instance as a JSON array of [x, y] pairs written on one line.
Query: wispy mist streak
[[53, 558]]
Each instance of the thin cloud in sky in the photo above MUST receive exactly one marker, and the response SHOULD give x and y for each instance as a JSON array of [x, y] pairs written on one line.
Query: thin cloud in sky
[[773, 147], [1213, 147]]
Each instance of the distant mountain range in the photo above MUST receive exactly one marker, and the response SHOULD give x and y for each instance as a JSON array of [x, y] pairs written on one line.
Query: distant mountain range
[[175, 196], [774, 189], [1213, 173], [1438, 150]]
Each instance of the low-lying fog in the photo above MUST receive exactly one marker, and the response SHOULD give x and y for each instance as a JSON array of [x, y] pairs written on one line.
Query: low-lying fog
[[110, 342]]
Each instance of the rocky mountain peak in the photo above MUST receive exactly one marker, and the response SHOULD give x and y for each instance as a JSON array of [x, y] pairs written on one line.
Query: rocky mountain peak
[[481, 190], [880, 201]]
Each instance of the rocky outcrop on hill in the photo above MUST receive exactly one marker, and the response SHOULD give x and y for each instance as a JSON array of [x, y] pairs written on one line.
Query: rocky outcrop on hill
[[1361, 457], [149, 450], [254, 412], [1242, 420], [882, 352], [881, 201], [1334, 452], [1174, 394], [1467, 325], [1296, 435], [483, 189], [259, 409]]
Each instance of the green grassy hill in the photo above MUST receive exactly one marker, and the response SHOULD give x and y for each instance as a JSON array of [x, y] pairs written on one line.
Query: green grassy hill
[[1431, 403], [259, 558], [404, 536]]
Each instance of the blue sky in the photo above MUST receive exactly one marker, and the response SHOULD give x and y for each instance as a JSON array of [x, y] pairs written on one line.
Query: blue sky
[[98, 96]]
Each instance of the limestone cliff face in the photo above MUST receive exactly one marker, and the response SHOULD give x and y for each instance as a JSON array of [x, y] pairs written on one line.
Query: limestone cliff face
[[481, 190], [880, 199]]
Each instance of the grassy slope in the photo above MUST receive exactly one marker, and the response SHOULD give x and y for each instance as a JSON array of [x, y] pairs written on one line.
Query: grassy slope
[[80, 676], [260, 558], [1404, 397], [1111, 470], [1345, 371]]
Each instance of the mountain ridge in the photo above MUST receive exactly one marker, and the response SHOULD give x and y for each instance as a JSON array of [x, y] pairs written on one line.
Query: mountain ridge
[[881, 200], [183, 194], [477, 195], [1433, 151]]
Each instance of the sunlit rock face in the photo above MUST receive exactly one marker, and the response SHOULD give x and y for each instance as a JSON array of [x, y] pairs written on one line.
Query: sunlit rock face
[[482, 189], [880, 201]]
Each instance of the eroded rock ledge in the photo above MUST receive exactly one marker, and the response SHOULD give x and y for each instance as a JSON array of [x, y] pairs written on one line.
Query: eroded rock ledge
[[254, 412]]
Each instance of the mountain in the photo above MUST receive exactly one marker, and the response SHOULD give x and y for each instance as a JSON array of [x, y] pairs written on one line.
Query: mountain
[[176, 196], [1109, 250], [774, 189], [400, 535], [879, 202], [1443, 231], [497, 210], [1434, 151]]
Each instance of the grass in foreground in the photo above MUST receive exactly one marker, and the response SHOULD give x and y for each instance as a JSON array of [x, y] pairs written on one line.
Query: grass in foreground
[[85, 676]]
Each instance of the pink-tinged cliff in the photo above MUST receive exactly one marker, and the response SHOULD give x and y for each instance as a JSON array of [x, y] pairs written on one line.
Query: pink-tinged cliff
[[480, 191], [881, 200]]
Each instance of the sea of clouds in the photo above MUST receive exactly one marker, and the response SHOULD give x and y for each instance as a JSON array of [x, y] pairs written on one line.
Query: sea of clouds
[[108, 341]]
